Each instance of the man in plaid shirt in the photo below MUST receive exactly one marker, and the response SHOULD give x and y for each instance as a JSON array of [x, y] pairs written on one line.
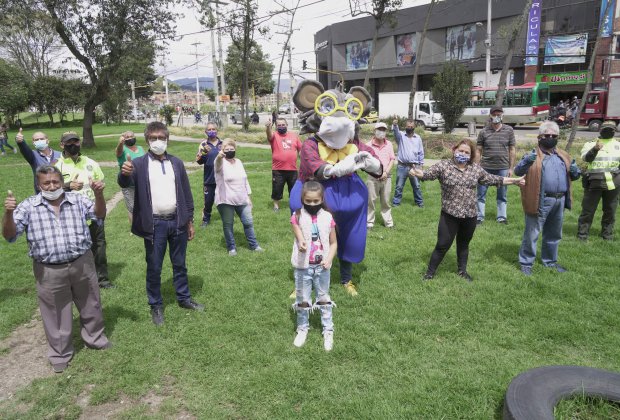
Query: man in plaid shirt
[[59, 242]]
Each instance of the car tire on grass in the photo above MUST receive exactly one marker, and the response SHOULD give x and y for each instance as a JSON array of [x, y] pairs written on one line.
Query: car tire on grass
[[533, 394]]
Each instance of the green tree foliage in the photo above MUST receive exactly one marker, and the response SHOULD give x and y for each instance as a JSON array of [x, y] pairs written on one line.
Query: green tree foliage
[[451, 91], [104, 36], [167, 111], [55, 95], [259, 72], [210, 93], [158, 85], [13, 90]]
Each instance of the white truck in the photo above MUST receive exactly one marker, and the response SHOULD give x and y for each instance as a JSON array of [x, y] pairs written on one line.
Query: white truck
[[397, 103]]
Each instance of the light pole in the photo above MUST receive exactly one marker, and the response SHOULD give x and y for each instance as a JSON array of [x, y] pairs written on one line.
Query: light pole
[[487, 43]]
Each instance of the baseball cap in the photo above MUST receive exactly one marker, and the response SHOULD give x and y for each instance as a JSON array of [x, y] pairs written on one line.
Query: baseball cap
[[495, 109], [380, 125], [70, 135], [608, 129]]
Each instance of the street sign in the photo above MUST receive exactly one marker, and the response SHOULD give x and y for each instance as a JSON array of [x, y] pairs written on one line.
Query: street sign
[[225, 98]]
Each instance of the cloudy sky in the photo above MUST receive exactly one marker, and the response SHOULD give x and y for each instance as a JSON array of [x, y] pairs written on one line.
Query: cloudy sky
[[311, 16]]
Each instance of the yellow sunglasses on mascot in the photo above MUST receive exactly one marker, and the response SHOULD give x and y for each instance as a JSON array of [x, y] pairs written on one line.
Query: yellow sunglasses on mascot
[[327, 104]]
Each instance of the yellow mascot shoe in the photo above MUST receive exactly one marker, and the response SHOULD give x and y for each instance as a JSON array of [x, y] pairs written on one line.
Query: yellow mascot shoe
[[350, 288], [293, 295]]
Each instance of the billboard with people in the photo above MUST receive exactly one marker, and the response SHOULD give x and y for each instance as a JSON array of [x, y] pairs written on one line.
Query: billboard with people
[[406, 47], [461, 42], [358, 55]]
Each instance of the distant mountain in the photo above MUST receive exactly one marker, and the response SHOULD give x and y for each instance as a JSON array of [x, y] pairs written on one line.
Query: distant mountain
[[190, 83]]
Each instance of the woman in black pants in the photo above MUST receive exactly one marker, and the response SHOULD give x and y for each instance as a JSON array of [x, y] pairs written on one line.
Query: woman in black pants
[[459, 177]]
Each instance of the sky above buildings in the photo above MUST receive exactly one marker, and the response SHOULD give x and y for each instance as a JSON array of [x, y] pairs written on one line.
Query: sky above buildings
[[311, 16]]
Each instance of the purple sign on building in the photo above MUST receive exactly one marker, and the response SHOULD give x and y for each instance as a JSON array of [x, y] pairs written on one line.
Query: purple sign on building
[[533, 34]]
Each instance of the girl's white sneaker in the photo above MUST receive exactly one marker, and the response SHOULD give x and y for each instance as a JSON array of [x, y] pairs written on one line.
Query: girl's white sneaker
[[328, 342], [300, 339]]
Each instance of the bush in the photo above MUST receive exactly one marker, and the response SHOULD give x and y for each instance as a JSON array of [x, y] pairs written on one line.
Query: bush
[[167, 111], [451, 91]]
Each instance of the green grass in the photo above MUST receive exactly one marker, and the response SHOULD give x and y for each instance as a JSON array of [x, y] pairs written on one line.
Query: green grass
[[403, 348]]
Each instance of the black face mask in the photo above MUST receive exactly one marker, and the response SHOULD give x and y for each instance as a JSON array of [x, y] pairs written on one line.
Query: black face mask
[[72, 149], [547, 142], [130, 142], [409, 131], [230, 154], [312, 210]]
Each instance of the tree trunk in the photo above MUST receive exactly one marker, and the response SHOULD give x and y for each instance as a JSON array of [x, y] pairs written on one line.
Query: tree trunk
[[51, 117], [88, 139], [516, 28], [414, 81], [582, 103], [371, 61]]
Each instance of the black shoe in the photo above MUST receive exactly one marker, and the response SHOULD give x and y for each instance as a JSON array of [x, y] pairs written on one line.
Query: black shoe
[[157, 313], [421, 205], [205, 223], [502, 221], [526, 270], [106, 285], [558, 268], [428, 276], [191, 305], [479, 222], [465, 275], [60, 367]]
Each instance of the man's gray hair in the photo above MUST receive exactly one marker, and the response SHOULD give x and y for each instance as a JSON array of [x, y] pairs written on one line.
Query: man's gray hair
[[547, 126], [212, 123], [48, 169]]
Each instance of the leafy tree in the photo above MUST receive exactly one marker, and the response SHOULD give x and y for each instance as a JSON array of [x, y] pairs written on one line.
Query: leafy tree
[[28, 39], [167, 111], [382, 11], [259, 72], [55, 95], [210, 93], [451, 91], [103, 36], [158, 85], [13, 90]]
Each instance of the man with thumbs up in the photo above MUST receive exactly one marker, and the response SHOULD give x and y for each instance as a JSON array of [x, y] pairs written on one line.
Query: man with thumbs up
[[77, 171], [64, 270], [547, 192], [42, 155]]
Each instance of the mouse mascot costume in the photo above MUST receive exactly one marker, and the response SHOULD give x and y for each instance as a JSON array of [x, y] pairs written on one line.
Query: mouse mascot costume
[[332, 155]]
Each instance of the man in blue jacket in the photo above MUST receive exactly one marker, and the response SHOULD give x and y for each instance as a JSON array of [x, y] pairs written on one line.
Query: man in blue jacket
[[42, 155], [207, 152], [163, 213], [410, 155]]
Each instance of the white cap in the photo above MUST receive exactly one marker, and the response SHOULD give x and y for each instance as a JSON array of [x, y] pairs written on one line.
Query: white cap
[[380, 125]]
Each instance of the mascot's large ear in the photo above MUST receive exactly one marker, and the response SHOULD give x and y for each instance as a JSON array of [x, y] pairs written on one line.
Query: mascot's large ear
[[363, 95], [306, 94]]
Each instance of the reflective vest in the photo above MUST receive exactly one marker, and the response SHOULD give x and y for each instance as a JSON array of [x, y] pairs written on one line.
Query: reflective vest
[[606, 165]]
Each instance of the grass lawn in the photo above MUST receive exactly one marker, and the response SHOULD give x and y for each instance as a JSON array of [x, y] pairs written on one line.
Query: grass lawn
[[403, 348]]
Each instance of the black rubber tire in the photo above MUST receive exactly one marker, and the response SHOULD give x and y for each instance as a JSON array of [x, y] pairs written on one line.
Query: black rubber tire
[[534, 394], [595, 125]]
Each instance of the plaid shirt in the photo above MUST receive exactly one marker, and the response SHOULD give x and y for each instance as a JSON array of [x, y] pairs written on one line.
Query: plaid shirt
[[458, 187], [51, 239]]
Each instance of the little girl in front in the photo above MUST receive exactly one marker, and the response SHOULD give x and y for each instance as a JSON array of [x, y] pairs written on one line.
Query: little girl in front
[[313, 252]]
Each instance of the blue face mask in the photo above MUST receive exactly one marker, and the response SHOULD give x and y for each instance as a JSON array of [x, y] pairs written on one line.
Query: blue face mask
[[40, 144], [461, 157], [211, 133]]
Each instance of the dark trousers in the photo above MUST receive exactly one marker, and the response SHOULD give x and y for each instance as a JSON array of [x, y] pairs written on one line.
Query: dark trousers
[[278, 179], [209, 190], [165, 234], [449, 228], [591, 198], [97, 234], [58, 287]]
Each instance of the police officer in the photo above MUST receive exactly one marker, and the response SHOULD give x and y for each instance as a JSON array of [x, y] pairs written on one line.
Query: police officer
[[602, 180]]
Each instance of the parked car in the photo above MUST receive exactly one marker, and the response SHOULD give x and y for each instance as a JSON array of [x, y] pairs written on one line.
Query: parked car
[[284, 109], [139, 115]]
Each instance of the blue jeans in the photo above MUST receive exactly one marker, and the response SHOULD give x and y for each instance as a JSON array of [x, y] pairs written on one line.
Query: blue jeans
[[501, 196], [549, 220], [402, 173], [227, 213], [165, 233], [4, 141], [305, 279]]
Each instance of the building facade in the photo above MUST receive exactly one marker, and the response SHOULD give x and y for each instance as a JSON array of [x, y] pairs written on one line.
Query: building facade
[[554, 45]]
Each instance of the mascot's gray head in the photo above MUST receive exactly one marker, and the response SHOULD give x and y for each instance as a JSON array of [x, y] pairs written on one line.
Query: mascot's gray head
[[333, 115]]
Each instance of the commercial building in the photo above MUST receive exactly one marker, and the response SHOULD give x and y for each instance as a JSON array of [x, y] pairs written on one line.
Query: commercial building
[[554, 45]]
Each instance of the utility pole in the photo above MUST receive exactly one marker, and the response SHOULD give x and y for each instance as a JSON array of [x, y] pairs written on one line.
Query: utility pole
[[288, 33], [291, 83], [133, 99], [219, 42], [163, 62], [196, 44], [487, 43], [215, 87]]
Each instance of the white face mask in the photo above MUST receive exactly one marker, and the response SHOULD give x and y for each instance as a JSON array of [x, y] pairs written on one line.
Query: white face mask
[[158, 147], [496, 119], [336, 131], [52, 195], [380, 134], [40, 144]]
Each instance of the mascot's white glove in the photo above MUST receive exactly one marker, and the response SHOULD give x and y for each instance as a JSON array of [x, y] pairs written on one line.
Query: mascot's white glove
[[342, 168], [368, 162]]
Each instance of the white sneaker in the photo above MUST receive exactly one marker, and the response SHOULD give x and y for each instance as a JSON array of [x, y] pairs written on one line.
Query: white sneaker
[[232, 253], [15, 151], [300, 339], [328, 342]]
